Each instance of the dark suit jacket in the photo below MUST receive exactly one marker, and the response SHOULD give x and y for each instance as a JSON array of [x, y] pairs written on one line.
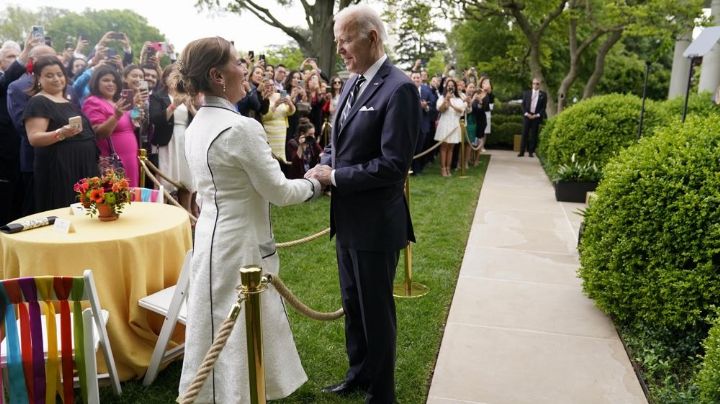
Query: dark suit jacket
[[9, 140], [427, 116], [162, 127], [371, 154], [541, 103]]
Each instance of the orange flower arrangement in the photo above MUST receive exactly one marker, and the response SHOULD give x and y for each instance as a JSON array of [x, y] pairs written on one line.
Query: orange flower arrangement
[[111, 189]]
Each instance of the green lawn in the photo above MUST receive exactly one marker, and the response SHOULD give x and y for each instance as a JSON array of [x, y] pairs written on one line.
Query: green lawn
[[442, 211]]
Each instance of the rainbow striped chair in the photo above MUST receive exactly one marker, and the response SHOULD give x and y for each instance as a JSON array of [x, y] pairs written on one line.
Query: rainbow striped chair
[[45, 354], [147, 195]]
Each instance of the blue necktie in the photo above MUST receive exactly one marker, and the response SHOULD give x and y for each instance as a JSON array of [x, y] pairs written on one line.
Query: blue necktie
[[351, 100]]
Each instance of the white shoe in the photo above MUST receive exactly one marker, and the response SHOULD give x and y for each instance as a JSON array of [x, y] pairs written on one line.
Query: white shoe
[[482, 150]]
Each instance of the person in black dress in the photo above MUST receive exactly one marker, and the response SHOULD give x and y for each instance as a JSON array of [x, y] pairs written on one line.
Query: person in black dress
[[63, 153]]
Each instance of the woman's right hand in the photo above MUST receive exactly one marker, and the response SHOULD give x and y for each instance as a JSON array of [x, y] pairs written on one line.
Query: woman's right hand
[[121, 106], [68, 131]]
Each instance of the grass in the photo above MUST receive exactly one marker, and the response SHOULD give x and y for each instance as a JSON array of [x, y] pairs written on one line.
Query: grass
[[442, 211]]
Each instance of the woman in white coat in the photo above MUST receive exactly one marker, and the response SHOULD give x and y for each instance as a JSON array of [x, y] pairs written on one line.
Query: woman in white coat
[[236, 179]]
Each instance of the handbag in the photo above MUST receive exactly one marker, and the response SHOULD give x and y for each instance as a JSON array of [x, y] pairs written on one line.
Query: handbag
[[113, 161]]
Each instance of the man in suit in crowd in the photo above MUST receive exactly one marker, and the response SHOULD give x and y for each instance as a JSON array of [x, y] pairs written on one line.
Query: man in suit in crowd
[[533, 104], [373, 140], [427, 106]]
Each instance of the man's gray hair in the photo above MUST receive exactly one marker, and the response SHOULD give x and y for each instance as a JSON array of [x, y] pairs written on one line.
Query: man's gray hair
[[10, 45], [365, 18]]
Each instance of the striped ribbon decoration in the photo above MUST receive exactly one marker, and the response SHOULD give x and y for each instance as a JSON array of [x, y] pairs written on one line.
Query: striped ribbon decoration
[[32, 379]]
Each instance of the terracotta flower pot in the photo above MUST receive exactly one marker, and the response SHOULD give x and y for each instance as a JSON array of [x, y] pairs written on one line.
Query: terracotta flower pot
[[106, 213]]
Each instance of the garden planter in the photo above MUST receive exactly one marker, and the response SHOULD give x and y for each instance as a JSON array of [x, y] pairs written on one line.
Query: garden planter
[[573, 191]]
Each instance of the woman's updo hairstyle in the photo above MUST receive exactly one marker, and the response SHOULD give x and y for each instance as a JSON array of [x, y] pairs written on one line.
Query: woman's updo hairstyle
[[195, 62]]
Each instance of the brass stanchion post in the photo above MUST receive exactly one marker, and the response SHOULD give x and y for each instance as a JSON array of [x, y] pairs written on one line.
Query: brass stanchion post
[[142, 155], [325, 132], [461, 160], [251, 278], [409, 288]]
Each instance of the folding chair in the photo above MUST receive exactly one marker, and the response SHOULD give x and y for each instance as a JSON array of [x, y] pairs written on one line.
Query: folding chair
[[171, 303], [41, 358], [147, 195]]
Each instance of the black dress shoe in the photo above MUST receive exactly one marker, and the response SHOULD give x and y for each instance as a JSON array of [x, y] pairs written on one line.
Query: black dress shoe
[[531, 155], [521, 154], [343, 388]]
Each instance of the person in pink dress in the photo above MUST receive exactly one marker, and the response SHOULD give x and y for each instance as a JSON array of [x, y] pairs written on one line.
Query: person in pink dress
[[108, 113]]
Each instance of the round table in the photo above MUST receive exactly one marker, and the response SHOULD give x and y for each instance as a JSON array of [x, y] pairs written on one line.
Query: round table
[[132, 257]]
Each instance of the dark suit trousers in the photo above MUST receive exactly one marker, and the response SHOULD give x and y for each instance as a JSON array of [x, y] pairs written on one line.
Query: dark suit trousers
[[529, 138], [366, 283]]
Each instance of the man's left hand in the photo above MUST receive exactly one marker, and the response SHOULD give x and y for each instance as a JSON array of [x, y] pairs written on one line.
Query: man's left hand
[[321, 173]]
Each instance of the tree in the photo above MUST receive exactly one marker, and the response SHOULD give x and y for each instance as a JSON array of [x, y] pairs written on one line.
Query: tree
[[93, 24], [592, 25], [16, 22], [414, 31], [314, 41]]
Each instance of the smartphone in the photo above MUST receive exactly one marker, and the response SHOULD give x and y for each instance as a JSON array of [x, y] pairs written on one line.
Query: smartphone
[[158, 46], [38, 32], [116, 35], [283, 93], [128, 95], [251, 55], [143, 86], [75, 122], [48, 41], [111, 53], [301, 83], [262, 57]]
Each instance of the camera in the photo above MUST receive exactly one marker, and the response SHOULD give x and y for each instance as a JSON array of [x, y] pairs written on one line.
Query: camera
[[309, 140], [116, 35]]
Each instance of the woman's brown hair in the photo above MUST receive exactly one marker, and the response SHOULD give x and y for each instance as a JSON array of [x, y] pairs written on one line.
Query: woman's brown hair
[[38, 67], [196, 60]]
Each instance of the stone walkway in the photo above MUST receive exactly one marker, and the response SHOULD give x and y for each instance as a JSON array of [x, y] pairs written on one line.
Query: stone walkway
[[520, 329]]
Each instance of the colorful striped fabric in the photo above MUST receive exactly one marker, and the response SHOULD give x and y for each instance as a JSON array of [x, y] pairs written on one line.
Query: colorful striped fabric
[[144, 195], [32, 378]]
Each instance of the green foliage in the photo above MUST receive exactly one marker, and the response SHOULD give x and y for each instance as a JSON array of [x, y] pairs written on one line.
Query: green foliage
[[414, 28], [436, 64], [16, 22], [577, 171], [93, 24], [651, 246], [698, 104], [708, 378], [289, 55], [595, 130], [506, 122]]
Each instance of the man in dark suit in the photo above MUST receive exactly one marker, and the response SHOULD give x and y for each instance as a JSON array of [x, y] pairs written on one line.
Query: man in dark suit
[[374, 135], [427, 107], [533, 105]]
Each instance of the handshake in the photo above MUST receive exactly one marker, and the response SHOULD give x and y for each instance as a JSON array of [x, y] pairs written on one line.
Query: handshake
[[320, 172]]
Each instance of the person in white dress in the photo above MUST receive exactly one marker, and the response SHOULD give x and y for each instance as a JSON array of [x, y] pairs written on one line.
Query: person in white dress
[[236, 179], [451, 107]]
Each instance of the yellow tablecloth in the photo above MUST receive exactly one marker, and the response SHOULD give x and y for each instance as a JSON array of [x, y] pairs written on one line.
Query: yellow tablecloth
[[137, 255]]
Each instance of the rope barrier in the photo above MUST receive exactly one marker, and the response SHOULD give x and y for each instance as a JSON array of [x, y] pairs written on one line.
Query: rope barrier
[[302, 240], [435, 146], [301, 307], [211, 356], [168, 195], [162, 175]]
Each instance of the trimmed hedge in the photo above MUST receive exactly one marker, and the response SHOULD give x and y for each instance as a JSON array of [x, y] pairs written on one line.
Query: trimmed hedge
[[698, 104], [595, 130], [708, 379], [506, 122], [650, 252]]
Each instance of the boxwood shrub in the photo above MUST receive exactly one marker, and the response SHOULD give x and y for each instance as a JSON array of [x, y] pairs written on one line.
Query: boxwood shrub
[[698, 104], [708, 379], [506, 122], [594, 130], [650, 252]]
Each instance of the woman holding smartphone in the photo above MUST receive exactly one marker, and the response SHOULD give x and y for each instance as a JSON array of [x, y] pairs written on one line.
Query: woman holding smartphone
[[108, 114], [276, 119], [64, 153]]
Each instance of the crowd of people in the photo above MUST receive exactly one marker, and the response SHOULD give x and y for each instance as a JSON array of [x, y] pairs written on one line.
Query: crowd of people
[[126, 103]]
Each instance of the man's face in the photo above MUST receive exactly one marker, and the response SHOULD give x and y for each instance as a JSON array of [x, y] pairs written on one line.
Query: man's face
[[354, 50], [435, 82], [415, 77], [280, 73], [151, 77], [536, 84], [7, 57], [423, 76]]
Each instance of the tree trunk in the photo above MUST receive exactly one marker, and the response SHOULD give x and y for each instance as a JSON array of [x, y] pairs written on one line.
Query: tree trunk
[[537, 73], [322, 35], [592, 82]]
